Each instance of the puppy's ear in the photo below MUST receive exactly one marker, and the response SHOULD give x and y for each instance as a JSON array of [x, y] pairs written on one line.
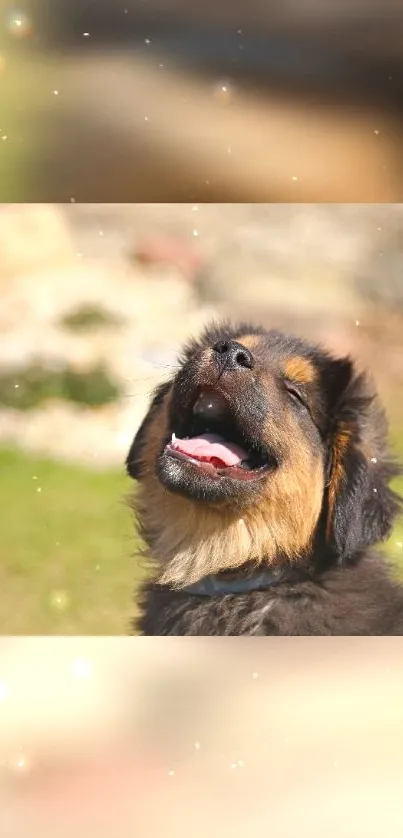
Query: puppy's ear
[[360, 504], [133, 459]]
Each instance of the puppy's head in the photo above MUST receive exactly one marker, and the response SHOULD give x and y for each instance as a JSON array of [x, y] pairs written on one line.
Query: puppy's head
[[262, 448]]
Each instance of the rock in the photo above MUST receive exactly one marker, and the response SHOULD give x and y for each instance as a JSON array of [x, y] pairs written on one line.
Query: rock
[[380, 278]]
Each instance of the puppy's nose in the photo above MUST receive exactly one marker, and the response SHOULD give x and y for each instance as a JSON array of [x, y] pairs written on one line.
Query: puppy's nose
[[234, 355]]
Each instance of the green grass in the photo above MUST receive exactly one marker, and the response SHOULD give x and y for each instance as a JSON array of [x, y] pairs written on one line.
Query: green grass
[[394, 548], [68, 552]]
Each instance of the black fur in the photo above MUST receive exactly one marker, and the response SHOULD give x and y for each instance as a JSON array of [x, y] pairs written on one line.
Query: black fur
[[360, 599], [343, 587], [133, 457]]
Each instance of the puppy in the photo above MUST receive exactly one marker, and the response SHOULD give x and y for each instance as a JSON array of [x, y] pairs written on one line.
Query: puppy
[[263, 485]]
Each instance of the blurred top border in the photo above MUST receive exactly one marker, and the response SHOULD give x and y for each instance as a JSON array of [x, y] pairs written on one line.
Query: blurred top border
[[306, 53]]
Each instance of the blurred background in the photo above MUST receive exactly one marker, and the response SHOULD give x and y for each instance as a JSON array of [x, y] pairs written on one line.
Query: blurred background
[[117, 737], [96, 300], [161, 100]]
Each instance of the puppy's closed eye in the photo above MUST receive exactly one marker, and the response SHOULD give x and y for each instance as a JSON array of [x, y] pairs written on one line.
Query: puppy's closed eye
[[295, 393]]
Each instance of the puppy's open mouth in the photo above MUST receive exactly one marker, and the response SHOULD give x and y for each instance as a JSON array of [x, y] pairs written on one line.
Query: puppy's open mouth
[[211, 440]]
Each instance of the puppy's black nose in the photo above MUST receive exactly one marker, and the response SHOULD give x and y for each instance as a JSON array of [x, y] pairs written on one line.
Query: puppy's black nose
[[234, 355]]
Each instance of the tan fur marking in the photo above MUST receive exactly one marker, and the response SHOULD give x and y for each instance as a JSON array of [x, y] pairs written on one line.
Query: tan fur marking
[[250, 341], [340, 446], [300, 369]]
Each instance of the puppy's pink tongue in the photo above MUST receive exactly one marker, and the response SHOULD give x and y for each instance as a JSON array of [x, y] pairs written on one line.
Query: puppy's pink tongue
[[209, 447]]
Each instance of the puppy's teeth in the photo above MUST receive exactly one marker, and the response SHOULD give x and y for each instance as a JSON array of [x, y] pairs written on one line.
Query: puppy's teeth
[[173, 440]]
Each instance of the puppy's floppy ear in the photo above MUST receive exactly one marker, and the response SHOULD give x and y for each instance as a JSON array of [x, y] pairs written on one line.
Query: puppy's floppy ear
[[133, 459], [360, 504]]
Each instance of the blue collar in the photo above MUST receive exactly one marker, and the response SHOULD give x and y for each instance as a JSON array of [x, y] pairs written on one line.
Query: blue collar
[[256, 581]]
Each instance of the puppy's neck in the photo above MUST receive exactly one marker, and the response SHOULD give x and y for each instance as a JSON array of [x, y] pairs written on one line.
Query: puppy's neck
[[209, 545], [187, 541]]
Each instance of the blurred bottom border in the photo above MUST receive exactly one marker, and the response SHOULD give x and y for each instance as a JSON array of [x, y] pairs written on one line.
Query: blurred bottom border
[[116, 736]]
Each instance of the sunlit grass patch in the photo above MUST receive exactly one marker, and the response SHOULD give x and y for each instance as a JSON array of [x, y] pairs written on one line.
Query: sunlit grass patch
[[68, 549]]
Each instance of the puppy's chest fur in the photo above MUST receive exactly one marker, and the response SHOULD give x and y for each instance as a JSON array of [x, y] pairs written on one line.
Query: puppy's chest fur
[[360, 600]]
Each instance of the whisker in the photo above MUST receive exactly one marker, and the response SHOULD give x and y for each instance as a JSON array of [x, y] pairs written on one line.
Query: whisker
[[137, 395], [166, 366], [143, 378]]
